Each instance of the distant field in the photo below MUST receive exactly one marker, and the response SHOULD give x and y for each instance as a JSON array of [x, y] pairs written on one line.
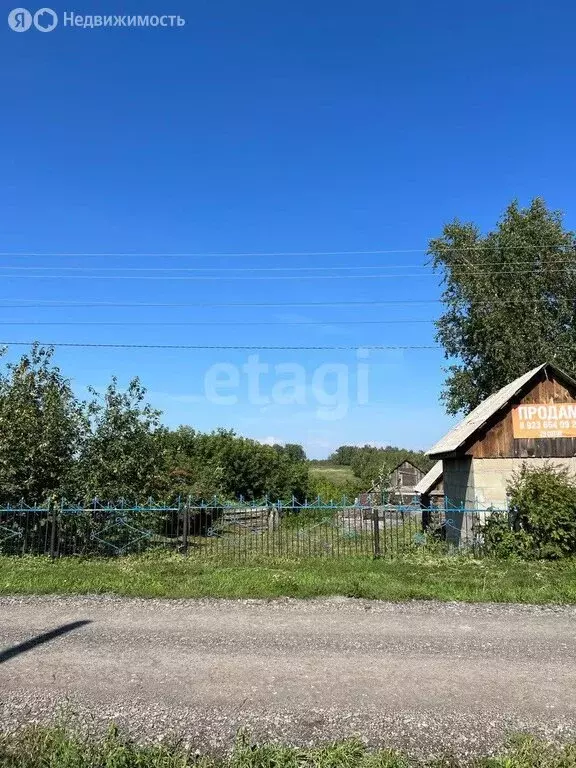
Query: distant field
[[336, 475]]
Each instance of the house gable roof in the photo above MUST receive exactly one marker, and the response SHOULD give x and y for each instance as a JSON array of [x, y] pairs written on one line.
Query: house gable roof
[[476, 419], [405, 461]]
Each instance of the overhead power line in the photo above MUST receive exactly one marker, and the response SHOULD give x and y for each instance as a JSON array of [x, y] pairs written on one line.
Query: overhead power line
[[208, 277], [37, 304], [217, 323], [229, 274], [193, 278], [374, 347], [250, 254], [209, 254], [481, 269], [48, 304], [210, 269]]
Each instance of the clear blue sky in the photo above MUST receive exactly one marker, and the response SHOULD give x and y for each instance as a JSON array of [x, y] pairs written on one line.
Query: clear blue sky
[[272, 127]]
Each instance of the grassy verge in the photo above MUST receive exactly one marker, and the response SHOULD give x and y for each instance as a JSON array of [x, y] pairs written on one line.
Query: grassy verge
[[55, 747], [175, 576]]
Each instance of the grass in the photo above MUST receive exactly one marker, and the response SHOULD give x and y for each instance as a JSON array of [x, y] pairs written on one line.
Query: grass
[[57, 747], [337, 475], [175, 576]]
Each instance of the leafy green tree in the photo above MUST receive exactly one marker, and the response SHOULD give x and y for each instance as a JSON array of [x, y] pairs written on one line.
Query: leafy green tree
[[224, 464], [343, 455], [329, 490], [41, 428], [372, 464], [510, 300], [191, 461], [368, 461], [294, 451], [122, 457]]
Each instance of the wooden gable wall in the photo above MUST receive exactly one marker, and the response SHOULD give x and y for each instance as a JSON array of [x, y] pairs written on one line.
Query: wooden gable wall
[[496, 440], [406, 475]]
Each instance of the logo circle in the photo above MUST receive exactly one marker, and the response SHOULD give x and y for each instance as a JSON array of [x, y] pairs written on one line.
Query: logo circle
[[20, 20], [45, 20]]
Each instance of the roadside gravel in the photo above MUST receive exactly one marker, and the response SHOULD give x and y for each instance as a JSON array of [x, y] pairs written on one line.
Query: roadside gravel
[[426, 677]]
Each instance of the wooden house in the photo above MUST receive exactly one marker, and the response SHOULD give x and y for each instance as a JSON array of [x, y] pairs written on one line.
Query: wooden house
[[530, 421]]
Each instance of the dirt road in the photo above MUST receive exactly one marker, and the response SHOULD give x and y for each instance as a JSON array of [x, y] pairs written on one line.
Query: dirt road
[[422, 676]]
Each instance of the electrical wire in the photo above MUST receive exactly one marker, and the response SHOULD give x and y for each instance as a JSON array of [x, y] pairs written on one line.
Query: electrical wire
[[186, 278], [41, 303], [250, 254], [331, 348], [217, 323], [327, 268]]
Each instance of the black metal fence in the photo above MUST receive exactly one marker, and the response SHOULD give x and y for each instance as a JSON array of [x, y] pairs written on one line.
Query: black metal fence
[[239, 530]]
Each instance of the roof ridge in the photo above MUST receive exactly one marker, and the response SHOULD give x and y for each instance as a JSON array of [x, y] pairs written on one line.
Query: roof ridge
[[455, 437]]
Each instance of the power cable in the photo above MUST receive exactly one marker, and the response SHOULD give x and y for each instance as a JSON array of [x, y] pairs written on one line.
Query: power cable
[[217, 346], [217, 323], [327, 268], [250, 254]]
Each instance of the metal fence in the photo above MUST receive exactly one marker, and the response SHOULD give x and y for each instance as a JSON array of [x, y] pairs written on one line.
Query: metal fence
[[240, 529]]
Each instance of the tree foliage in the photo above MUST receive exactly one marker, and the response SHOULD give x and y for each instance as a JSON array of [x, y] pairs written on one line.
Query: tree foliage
[[371, 464], [114, 447], [510, 300], [222, 463], [42, 426], [121, 457], [293, 450]]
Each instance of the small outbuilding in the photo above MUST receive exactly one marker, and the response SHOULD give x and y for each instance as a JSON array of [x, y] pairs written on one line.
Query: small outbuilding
[[403, 481], [530, 421], [401, 487], [430, 488]]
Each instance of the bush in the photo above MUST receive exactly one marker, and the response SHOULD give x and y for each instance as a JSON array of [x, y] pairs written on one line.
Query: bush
[[541, 521]]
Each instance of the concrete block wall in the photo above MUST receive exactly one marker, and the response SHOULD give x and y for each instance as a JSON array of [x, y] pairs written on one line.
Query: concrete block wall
[[458, 482], [458, 492], [491, 477], [482, 483]]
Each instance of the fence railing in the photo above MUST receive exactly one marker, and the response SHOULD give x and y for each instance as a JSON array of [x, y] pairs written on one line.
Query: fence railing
[[238, 529]]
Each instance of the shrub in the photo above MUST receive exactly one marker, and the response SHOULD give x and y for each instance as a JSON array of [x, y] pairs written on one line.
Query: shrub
[[541, 521], [501, 540]]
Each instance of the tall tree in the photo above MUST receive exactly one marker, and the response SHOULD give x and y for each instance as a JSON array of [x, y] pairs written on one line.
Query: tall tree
[[510, 300], [294, 451], [41, 428], [224, 464], [122, 458]]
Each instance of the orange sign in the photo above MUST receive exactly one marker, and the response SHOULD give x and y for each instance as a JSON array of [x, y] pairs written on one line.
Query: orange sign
[[535, 420]]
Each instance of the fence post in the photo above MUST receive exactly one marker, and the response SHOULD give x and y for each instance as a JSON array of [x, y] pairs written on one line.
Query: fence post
[[376, 529], [185, 523], [52, 514]]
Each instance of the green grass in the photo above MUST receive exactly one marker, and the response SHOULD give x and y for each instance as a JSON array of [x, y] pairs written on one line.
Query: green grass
[[337, 475], [57, 747], [175, 576]]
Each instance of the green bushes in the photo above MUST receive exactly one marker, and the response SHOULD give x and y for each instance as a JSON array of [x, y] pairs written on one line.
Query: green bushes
[[541, 521]]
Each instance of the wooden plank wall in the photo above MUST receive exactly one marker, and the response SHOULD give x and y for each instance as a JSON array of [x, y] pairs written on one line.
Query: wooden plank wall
[[497, 440], [411, 476]]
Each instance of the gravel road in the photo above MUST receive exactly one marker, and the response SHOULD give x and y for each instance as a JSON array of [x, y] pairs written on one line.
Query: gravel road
[[426, 677]]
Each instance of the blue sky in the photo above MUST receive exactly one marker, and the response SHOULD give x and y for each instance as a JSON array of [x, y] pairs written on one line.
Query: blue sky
[[315, 128]]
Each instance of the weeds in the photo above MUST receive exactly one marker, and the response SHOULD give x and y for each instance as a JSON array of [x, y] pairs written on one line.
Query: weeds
[[174, 576], [57, 747]]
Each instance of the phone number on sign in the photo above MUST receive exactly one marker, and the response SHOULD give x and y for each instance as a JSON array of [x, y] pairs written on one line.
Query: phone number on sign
[[548, 428]]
